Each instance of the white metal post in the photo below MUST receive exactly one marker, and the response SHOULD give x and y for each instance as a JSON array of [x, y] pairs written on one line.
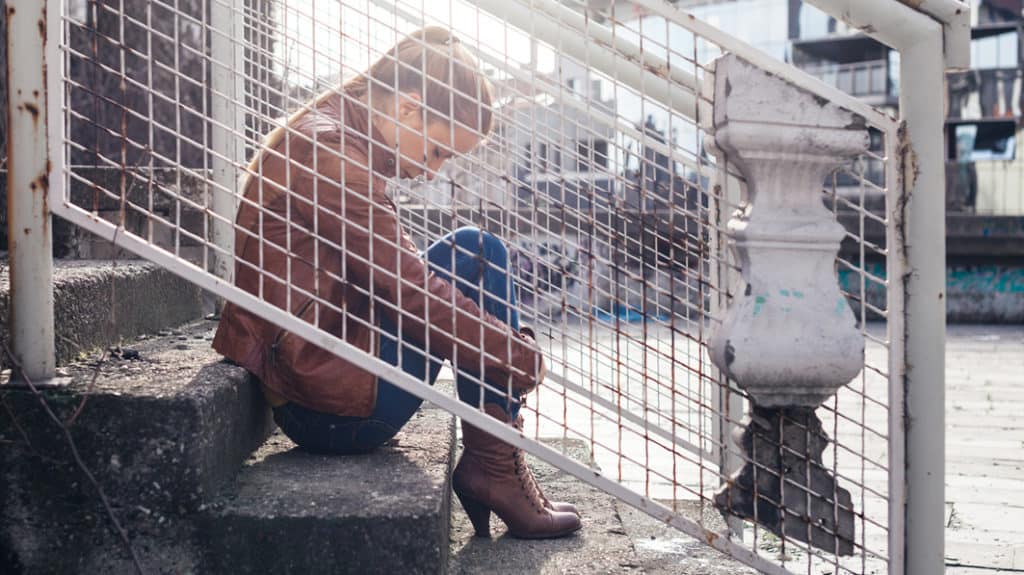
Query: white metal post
[[227, 83], [29, 178], [548, 23], [922, 90], [927, 45]]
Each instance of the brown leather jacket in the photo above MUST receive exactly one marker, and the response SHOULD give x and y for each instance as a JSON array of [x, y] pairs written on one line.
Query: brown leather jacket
[[338, 236]]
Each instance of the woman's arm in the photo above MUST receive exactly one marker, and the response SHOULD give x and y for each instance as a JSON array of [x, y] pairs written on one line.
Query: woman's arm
[[383, 261]]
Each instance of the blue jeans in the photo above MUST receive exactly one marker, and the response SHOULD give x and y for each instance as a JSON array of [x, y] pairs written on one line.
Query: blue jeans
[[479, 263]]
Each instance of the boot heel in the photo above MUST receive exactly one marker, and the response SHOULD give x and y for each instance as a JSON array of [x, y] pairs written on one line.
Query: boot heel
[[479, 514]]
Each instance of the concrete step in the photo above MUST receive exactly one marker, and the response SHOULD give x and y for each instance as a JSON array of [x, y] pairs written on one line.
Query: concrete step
[[293, 512], [161, 433], [100, 303], [615, 538]]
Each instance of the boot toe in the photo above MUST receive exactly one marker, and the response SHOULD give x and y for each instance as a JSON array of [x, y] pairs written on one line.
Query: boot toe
[[558, 524], [564, 507]]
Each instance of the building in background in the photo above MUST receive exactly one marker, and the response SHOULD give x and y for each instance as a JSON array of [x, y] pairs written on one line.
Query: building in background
[[983, 167], [985, 172]]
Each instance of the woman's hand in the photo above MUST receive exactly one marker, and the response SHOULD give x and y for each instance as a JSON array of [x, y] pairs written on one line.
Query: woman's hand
[[542, 370]]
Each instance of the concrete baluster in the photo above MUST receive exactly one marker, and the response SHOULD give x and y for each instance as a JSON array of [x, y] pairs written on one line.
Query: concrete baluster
[[789, 338]]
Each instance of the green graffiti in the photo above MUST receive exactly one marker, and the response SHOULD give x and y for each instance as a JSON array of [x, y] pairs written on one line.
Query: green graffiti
[[972, 279], [758, 302]]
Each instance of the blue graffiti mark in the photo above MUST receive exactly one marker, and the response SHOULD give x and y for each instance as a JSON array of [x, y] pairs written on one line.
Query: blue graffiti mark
[[784, 292]]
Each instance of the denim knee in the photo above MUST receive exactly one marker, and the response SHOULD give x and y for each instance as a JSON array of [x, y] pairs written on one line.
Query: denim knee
[[471, 238]]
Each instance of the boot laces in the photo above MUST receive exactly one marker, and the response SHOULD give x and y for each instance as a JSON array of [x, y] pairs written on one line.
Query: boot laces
[[527, 479], [531, 489]]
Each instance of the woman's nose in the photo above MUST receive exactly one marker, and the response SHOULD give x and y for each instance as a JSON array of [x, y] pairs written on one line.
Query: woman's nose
[[433, 167]]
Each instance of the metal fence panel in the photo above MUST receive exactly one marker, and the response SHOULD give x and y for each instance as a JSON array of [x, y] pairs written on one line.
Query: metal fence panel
[[596, 175]]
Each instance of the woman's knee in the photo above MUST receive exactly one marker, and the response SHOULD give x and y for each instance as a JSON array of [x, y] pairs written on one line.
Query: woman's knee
[[472, 238]]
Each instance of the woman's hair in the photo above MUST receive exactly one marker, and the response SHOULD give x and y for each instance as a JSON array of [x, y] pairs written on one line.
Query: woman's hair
[[431, 62]]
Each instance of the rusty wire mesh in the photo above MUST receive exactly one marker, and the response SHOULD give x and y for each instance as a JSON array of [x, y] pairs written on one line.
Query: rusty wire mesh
[[602, 190]]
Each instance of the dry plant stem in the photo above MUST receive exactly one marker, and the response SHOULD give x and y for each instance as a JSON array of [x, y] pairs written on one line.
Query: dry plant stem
[[78, 458], [14, 420], [113, 298], [24, 434]]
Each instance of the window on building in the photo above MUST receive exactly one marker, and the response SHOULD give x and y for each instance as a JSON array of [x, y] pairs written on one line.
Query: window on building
[[979, 141], [601, 153], [591, 154], [995, 51]]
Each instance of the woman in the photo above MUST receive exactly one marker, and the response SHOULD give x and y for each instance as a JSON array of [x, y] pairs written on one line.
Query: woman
[[316, 234]]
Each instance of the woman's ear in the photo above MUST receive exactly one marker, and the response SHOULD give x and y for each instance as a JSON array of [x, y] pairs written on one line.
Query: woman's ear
[[410, 110]]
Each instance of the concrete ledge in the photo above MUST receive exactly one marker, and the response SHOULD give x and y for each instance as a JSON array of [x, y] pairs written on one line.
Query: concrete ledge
[[293, 512], [97, 304], [161, 434]]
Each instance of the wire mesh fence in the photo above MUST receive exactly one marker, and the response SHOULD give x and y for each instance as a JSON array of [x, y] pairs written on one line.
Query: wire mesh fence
[[593, 173]]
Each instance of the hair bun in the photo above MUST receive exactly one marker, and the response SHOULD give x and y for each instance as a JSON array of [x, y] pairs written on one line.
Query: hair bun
[[436, 35]]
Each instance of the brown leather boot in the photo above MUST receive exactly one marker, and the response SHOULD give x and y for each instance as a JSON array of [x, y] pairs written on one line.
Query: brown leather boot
[[493, 476], [552, 505]]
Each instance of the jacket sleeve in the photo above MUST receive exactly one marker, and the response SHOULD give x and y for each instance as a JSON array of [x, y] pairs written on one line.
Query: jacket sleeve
[[381, 260]]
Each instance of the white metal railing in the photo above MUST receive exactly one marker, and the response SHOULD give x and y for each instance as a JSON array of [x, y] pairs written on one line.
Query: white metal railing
[[622, 262]]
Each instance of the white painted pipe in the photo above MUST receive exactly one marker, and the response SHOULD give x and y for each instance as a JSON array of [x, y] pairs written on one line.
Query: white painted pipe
[[900, 26], [922, 86], [227, 81], [894, 24], [921, 253], [599, 47], [29, 178], [955, 17]]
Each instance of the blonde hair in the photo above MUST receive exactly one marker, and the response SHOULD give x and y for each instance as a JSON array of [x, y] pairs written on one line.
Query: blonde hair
[[431, 62]]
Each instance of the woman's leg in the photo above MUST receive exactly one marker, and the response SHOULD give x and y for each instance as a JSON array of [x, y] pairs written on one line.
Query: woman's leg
[[493, 475], [476, 262], [328, 433]]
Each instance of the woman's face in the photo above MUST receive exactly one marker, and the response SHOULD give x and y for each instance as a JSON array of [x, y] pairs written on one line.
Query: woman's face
[[422, 151]]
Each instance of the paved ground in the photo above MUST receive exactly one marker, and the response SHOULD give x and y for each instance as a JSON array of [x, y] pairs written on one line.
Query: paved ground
[[984, 471], [984, 449]]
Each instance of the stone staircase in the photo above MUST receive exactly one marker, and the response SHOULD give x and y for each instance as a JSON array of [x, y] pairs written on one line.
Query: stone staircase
[[183, 445], [187, 454]]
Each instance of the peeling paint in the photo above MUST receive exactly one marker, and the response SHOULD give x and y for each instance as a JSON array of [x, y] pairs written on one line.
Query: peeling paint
[[858, 123], [32, 109]]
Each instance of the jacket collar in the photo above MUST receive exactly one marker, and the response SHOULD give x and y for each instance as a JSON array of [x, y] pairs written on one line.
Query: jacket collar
[[360, 131]]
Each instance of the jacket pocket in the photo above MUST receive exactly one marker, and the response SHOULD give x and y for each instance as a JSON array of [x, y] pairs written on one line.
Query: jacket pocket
[[282, 334]]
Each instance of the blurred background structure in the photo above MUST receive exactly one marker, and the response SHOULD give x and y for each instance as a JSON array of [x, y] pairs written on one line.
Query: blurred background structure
[[619, 210]]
